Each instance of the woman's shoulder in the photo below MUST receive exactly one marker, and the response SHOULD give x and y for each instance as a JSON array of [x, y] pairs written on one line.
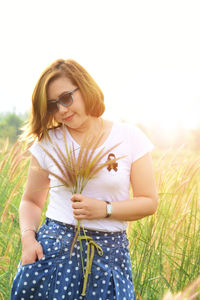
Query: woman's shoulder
[[130, 133], [135, 138]]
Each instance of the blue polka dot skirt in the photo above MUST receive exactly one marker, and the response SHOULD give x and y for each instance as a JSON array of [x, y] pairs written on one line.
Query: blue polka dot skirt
[[59, 275]]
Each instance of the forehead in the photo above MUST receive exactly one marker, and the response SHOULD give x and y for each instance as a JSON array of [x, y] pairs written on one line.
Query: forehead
[[57, 86]]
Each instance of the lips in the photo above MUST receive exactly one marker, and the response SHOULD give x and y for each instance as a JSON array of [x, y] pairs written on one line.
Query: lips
[[68, 119]]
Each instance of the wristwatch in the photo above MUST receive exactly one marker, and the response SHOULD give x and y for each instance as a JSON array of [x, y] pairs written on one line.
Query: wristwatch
[[109, 209]]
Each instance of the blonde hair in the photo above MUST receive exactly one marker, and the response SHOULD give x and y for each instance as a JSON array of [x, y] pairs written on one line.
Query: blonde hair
[[40, 121]]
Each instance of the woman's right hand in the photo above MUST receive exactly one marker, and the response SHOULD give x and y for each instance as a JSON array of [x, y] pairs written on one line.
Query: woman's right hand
[[31, 249]]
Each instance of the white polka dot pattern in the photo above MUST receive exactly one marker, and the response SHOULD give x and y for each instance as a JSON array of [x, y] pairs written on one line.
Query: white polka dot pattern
[[58, 276]]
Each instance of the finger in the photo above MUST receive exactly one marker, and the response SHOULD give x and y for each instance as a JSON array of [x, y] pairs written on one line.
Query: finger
[[39, 252], [80, 217], [76, 197], [28, 260], [78, 212], [77, 205]]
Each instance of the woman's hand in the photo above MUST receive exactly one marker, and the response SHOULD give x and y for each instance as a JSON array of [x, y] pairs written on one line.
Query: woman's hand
[[88, 208], [31, 249]]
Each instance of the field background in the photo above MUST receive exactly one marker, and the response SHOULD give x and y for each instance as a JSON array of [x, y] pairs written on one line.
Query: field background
[[144, 55], [164, 247]]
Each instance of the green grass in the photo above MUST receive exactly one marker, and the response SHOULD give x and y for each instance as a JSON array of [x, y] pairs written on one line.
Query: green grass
[[164, 247], [13, 168]]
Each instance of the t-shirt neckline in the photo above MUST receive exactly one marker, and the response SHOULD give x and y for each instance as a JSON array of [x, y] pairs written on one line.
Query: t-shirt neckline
[[103, 145]]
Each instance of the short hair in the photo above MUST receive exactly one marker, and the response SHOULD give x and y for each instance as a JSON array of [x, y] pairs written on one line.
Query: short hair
[[40, 121]]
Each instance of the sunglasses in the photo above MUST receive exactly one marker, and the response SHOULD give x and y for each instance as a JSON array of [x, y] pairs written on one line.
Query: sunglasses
[[65, 99]]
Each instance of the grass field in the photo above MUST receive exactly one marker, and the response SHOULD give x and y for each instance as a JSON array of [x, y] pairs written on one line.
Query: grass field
[[164, 248]]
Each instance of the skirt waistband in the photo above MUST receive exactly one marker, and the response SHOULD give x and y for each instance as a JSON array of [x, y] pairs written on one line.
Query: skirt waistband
[[88, 231]]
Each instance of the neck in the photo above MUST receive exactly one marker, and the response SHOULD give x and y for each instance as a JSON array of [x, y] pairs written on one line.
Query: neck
[[92, 124]]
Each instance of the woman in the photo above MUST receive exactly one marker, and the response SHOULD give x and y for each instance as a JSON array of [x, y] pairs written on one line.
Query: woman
[[66, 94]]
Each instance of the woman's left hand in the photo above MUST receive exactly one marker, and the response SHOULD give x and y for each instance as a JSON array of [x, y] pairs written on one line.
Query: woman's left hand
[[88, 208]]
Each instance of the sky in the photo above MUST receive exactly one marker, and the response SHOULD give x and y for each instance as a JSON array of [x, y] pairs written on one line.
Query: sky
[[144, 54]]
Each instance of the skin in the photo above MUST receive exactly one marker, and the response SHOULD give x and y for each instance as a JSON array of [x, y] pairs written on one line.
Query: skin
[[144, 202]]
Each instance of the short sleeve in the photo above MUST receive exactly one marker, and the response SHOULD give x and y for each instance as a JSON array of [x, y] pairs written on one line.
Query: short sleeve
[[38, 153], [140, 143]]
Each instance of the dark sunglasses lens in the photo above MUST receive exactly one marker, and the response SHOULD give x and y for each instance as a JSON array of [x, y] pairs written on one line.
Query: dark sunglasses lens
[[66, 99], [52, 108]]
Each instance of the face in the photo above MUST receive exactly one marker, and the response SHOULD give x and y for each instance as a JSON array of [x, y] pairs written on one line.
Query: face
[[73, 116]]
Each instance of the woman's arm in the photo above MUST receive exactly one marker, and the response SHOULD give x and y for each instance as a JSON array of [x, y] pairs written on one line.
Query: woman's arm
[[143, 203], [30, 209], [145, 197]]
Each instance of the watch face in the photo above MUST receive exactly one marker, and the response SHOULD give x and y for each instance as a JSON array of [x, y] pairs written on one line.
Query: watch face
[[109, 209]]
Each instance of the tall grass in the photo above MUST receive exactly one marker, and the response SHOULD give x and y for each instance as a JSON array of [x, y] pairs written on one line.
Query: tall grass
[[13, 167], [165, 248]]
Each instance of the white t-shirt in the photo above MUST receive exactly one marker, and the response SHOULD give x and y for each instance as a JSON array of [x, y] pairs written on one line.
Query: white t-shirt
[[113, 185]]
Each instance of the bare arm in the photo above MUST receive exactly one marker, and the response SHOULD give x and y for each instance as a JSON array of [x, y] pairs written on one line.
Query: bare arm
[[30, 209], [145, 197]]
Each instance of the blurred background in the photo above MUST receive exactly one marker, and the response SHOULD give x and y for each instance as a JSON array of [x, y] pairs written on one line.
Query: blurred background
[[143, 54]]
